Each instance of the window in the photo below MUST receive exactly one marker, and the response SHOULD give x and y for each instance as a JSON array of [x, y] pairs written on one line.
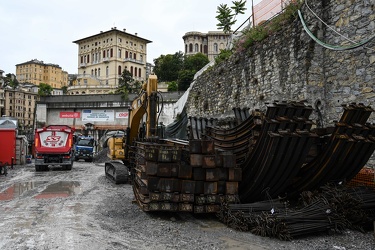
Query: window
[[135, 56], [111, 52], [126, 54], [103, 53], [119, 40], [99, 72], [119, 53], [106, 71], [196, 47], [131, 70], [215, 47], [119, 70], [135, 71], [190, 47], [139, 72]]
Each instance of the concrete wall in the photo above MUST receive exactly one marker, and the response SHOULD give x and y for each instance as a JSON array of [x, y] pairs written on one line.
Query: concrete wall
[[289, 65]]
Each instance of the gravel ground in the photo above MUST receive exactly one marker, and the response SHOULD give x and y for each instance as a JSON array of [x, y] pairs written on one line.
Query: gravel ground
[[97, 214]]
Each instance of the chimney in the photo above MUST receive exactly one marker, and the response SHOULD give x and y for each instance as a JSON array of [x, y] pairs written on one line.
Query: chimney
[[136, 34]]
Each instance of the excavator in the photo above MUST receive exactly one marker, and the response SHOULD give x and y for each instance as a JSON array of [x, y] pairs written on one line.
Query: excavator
[[142, 123]]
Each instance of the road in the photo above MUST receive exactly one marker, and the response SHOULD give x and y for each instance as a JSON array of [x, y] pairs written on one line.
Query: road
[[81, 209]]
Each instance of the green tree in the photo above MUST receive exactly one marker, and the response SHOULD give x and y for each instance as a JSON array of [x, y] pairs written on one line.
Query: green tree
[[10, 80], [167, 66], [127, 85], [195, 62], [45, 89], [185, 77], [227, 15], [172, 86], [64, 89]]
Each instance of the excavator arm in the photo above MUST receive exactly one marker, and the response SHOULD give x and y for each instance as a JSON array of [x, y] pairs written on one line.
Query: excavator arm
[[143, 111]]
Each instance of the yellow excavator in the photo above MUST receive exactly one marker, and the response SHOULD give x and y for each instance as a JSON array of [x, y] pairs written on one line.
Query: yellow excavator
[[142, 123]]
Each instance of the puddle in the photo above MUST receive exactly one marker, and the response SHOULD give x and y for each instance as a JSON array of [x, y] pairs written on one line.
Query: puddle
[[18, 189], [56, 190], [60, 189]]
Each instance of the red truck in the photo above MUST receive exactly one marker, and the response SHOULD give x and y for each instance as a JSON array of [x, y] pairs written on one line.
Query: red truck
[[54, 146]]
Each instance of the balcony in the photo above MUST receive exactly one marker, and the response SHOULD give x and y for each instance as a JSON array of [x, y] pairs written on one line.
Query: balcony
[[134, 61], [106, 59], [82, 65]]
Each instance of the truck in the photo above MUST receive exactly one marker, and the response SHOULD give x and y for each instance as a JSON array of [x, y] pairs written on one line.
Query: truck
[[84, 148], [54, 147]]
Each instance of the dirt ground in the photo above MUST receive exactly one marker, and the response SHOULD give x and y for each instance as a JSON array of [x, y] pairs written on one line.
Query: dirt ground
[[81, 209]]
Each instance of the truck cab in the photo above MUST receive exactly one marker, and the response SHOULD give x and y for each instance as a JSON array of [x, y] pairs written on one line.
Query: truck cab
[[84, 148]]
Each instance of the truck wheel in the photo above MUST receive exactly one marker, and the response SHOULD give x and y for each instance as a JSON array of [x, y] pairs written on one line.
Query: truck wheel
[[68, 167]]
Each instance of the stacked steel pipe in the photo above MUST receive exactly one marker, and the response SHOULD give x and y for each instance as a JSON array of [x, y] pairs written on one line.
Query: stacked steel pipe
[[281, 154], [347, 150], [280, 151]]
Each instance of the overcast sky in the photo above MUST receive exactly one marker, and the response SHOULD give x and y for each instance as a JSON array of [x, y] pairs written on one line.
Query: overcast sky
[[45, 29]]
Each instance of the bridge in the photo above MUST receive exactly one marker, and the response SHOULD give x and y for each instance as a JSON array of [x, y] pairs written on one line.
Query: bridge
[[96, 114]]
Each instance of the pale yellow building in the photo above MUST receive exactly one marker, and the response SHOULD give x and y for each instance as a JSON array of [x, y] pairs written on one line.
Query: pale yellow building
[[209, 43], [103, 57], [20, 103], [36, 72]]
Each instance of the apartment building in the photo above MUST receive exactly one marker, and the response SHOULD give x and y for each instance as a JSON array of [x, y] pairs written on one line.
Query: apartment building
[[209, 43], [36, 72], [2, 97], [20, 103], [103, 57]]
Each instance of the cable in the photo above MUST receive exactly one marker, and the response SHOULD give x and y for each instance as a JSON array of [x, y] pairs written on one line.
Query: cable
[[346, 38], [329, 46]]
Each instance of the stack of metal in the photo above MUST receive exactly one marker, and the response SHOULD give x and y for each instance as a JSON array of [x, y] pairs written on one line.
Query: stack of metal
[[175, 175]]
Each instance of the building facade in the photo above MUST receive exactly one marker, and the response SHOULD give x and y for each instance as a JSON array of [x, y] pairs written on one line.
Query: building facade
[[103, 57], [209, 43], [20, 103], [36, 72]]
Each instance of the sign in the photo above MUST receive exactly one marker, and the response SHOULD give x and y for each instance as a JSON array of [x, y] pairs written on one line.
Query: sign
[[98, 115], [68, 114], [122, 115]]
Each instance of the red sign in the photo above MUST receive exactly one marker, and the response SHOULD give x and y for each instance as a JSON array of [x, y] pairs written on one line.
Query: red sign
[[69, 114], [122, 114]]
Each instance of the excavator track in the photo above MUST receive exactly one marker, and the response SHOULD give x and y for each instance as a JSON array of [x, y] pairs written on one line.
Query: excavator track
[[116, 172]]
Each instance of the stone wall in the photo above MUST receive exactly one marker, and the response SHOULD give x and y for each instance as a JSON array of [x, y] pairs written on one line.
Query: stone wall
[[290, 66]]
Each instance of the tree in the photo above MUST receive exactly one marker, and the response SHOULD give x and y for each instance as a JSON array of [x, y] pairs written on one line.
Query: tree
[[10, 80], [45, 89], [168, 66], [226, 17], [195, 62], [64, 89], [185, 77], [172, 86], [127, 84]]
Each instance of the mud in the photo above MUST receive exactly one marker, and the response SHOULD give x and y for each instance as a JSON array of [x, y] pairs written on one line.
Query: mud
[[81, 209]]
